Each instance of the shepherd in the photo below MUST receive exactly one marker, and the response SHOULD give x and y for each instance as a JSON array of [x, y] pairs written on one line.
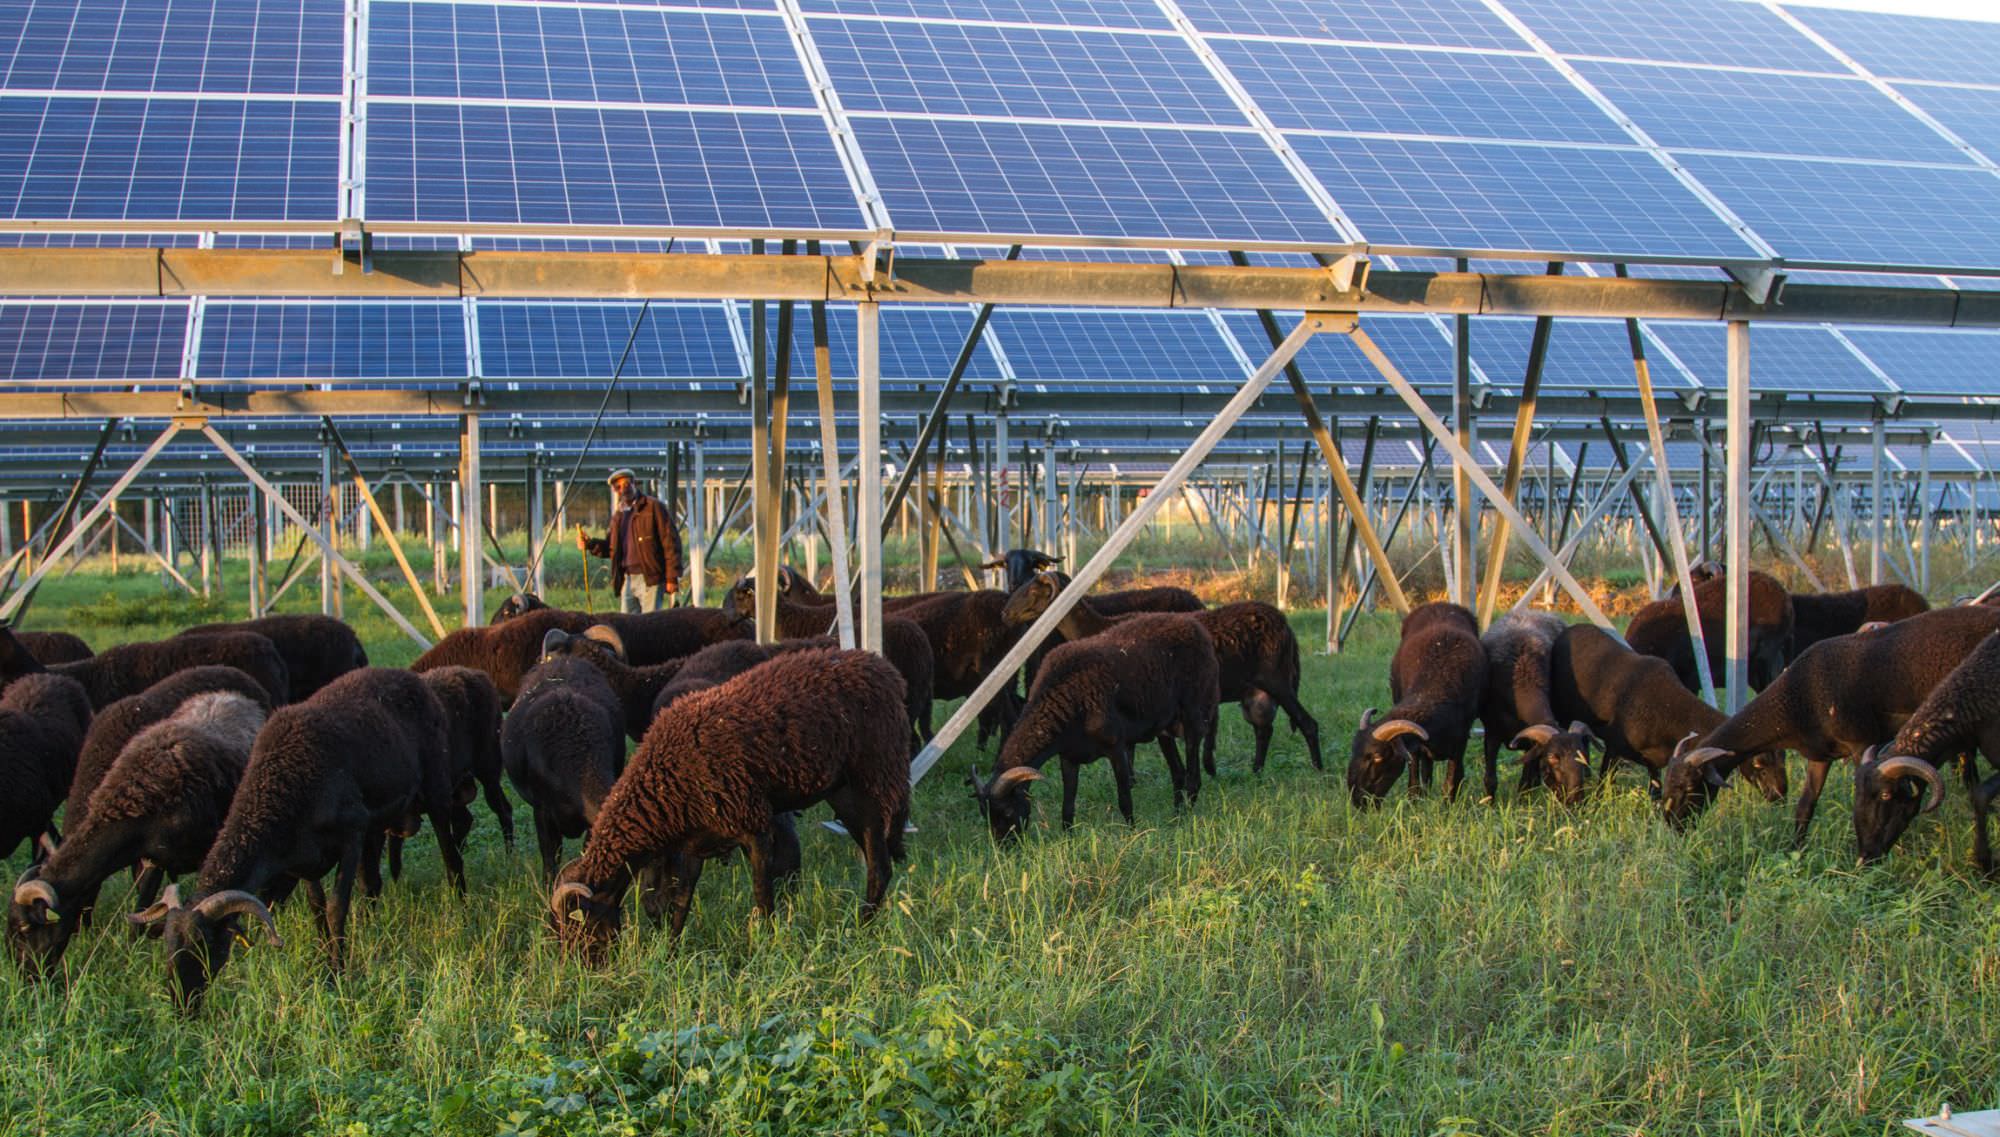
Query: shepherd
[[643, 546]]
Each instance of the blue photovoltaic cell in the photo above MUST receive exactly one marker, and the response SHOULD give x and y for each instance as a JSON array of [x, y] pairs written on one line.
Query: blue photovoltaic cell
[[1930, 362], [915, 343], [332, 340], [280, 47], [1726, 32], [1071, 13], [629, 55], [1413, 344], [168, 159], [1093, 347], [1973, 115], [1455, 94], [1490, 196], [1770, 114], [1446, 23], [560, 165], [966, 69], [1781, 358], [1584, 355], [1027, 178], [91, 341], [585, 341], [1911, 47], [1861, 214]]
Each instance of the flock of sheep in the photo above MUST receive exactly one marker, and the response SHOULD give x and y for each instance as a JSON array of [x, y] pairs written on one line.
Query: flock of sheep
[[262, 756]]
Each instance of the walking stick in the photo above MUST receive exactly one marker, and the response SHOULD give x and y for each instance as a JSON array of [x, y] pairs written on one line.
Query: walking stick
[[586, 569]]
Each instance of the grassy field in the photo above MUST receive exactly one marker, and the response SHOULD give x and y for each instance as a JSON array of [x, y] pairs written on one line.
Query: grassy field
[[1270, 962]]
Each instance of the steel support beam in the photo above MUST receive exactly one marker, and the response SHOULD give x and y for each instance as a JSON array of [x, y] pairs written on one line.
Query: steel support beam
[[471, 574], [868, 524], [1736, 531], [16, 603]]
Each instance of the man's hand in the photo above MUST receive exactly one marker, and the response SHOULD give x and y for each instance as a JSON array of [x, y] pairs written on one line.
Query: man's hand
[[673, 586]]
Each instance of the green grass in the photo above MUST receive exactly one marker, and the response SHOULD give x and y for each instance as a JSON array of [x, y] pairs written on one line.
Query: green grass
[[1270, 962]]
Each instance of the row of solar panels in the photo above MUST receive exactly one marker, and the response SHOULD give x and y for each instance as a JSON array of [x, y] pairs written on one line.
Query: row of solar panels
[[1624, 127], [1037, 349]]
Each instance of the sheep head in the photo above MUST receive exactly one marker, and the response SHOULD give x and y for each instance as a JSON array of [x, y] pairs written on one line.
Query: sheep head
[[1027, 602], [584, 920], [198, 939], [1004, 799], [39, 924], [1888, 795], [1691, 779], [1561, 758], [1380, 753], [516, 604]]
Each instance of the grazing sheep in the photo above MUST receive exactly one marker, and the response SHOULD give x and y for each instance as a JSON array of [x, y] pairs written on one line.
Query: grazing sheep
[[1660, 629], [327, 779], [674, 633], [1822, 616], [504, 652], [515, 605], [1436, 678], [1637, 707], [1022, 565], [54, 647], [635, 687], [1840, 697], [904, 645], [42, 723], [128, 669], [718, 768], [472, 720], [161, 803], [316, 649], [1960, 718], [716, 665], [1151, 677], [1256, 653], [1515, 709], [118, 724], [563, 746]]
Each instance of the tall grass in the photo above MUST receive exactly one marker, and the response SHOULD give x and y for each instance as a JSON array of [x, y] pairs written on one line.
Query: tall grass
[[1269, 962]]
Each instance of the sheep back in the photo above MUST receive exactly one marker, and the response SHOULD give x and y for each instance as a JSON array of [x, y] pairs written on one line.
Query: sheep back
[[129, 669], [505, 652], [116, 725], [43, 718], [317, 649], [54, 647]]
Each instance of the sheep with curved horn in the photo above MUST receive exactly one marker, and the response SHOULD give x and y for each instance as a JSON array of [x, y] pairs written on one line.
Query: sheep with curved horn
[[1437, 677]]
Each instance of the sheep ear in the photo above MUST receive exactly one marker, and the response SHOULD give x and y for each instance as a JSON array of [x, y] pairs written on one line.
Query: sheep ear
[[608, 636]]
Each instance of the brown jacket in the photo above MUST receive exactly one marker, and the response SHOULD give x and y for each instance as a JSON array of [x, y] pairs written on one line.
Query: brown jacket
[[656, 545]]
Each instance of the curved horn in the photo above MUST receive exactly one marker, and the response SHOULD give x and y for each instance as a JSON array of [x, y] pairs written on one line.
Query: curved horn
[[169, 900], [1535, 735], [1703, 756], [1006, 780], [29, 891], [1899, 766], [553, 642], [1396, 728], [1581, 728], [1368, 719], [608, 636], [236, 902], [566, 890]]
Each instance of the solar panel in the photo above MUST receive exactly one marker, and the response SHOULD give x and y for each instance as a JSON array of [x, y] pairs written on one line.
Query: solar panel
[[1767, 114], [330, 340], [963, 69], [1728, 33], [1059, 180], [1449, 23], [585, 341], [562, 165], [1413, 344], [1453, 94], [1865, 214], [1095, 347], [1586, 355], [914, 343], [1781, 358], [628, 55], [1911, 47], [281, 47], [40, 342], [1970, 113], [1072, 13], [1447, 195], [1934, 362], [168, 159]]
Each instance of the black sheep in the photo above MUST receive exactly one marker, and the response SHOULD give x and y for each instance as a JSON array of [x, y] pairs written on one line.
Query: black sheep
[[563, 746], [327, 779], [316, 649], [1840, 697], [54, 647], [1516, 710], [1637, 707], [1660, 629], [1150, 677], [121, 722], [1256, 653], [720, 766], [904, 645], [1822, 616], [1960, 718], [1436, 678], [161, 803], [42, 723], [635, 687], [472, 721], [1022, 565], [128, 669], [505, 652], [515, 605]]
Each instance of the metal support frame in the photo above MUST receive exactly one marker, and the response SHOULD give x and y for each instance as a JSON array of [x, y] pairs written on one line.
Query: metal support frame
[[16, 603], [829, 448], [1736, 532], [472, 578], [868, 524], [1517, 455], [1876, 513], [389, 533], [1004, 669]]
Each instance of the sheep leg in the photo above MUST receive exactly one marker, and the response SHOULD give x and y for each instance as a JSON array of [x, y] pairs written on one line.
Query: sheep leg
[[655, 883], [337, 906], [1454, 775], [1121, 771], [1173, 756], [757, 850], [395, 857], [1816, 768], [503, 810], [1069, 792], [1195, 745], [450, 836], [1491, 744], [316, 900], [1302, 722], [371, 862], [549, 838], [786, 858], [1982, 806], [683, 876], [1206, 745], [1262, 714]]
